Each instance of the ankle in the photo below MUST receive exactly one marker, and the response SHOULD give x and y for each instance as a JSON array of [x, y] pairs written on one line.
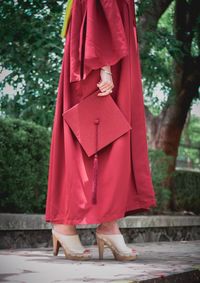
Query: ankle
[[109, 227], [65, 228]]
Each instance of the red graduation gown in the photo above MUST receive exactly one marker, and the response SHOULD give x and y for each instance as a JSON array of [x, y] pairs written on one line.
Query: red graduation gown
[[100, 33]]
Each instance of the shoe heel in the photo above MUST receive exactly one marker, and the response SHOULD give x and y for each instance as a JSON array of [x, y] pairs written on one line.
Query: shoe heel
[[56, 245], [100, 244]]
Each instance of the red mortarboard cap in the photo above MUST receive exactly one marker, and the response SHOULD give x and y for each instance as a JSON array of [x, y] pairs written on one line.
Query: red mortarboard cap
[[96, 122]]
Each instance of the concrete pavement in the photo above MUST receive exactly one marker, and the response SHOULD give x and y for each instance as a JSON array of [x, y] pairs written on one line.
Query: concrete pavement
[[177, 261]]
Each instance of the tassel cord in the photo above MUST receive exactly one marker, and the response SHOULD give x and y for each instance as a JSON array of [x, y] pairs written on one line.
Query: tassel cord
[[95, 165]]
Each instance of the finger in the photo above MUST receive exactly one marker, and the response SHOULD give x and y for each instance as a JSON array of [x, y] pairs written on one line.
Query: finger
[[105, 93], [103, 89], [103, 86], [106, 88], [99, 83], [103, 83]]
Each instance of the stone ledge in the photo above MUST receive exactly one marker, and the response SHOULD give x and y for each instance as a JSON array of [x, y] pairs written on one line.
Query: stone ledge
[[10, 221], [31, 230]]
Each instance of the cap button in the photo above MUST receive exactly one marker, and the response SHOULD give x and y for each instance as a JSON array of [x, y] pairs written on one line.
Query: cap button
[[96, 121]]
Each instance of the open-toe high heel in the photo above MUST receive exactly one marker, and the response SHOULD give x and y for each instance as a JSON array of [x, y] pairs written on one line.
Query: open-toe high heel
[[71, 244], [117, 245]]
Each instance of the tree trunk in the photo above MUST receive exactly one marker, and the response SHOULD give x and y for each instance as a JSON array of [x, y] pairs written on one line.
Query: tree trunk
[[165, 129]]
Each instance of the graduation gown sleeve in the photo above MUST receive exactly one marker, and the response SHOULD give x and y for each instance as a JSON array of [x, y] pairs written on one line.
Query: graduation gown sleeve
[[97, 27]]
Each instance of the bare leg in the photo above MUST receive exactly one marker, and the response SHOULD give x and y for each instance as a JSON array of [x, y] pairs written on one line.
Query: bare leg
[[109, 228], [65, 229], [105, 227]]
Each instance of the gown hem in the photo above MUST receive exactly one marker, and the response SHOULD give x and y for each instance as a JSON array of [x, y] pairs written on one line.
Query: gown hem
[[110, 217]]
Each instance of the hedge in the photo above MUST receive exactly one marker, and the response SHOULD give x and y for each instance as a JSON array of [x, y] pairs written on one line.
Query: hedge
[[24, 158], [24, 153], [186, 185]]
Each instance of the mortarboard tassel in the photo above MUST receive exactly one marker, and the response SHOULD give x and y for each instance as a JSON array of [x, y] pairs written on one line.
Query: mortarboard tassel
[[95, 167]]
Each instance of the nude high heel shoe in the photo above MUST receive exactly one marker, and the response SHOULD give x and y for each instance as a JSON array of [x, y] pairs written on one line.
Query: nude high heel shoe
[[117, 245], [71, 244]]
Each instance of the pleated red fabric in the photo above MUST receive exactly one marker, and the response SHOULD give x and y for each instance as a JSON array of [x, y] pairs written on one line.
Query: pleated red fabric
[[100, 33]]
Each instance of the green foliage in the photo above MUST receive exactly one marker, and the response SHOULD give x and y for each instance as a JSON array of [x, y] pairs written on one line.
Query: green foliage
[[24, 152], [161, 52], [189, 149], [186, 187], [31, 49], [157, 62], [159, 164]]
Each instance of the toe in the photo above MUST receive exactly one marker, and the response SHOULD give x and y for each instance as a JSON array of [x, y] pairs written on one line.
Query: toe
[[135, 251]]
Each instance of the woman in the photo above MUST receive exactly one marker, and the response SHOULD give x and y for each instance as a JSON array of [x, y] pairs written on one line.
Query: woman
[[101, 52]]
